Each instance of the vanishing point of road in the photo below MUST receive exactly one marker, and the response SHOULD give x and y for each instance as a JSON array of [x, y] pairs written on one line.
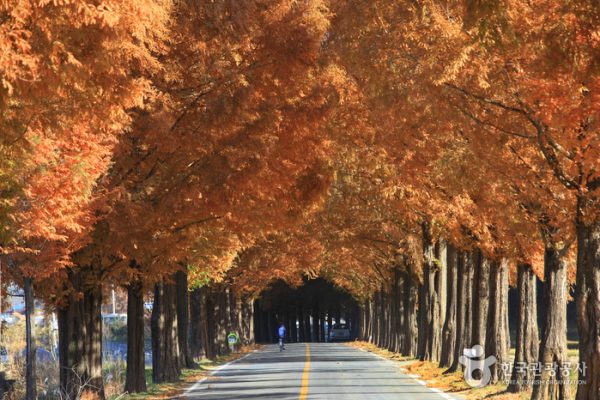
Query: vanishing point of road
[[311, 371]]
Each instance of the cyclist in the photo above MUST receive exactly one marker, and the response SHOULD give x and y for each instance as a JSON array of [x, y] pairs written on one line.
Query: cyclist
[[281, 334]]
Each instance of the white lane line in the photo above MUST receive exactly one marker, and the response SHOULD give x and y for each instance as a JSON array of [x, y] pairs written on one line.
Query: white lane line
[[196, 386], [413, 376]]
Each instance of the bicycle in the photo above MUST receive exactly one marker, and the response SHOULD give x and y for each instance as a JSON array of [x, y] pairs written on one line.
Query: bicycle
[[281, 345]]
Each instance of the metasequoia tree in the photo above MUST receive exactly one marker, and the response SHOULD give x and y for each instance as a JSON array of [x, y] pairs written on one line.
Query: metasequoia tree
[[419, 155], [64, 105], [428, 39], [517, 97], [185, 170]]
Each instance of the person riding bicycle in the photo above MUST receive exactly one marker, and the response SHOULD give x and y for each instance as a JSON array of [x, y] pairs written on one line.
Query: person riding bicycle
[[281, 334]]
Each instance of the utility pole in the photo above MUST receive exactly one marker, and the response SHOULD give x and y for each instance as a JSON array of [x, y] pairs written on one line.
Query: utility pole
[[113, 300], [30, 373]]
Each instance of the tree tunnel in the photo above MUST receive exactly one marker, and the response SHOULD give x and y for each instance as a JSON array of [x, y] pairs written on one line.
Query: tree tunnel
[[308, 312]]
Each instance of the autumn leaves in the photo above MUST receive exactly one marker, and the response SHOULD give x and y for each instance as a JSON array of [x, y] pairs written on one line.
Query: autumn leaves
[[251, 141]]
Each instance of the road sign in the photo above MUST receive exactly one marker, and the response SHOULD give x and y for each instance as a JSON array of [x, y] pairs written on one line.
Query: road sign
[[232, 340]]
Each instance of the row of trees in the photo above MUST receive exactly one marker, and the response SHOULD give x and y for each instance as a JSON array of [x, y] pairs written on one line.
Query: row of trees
[[145, 140], [307, 312], [247, 142], [464, 303]]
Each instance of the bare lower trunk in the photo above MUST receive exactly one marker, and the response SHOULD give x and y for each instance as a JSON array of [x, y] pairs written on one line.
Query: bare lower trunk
[[183, 319], [470, 260], [449, 332], [553, 346], [480, 300], [431, 314], [221, 318], [80, 338], [409, 329], [463, 305], [197, 299], [30, 373], [526, 352], [166, 365], [497, 341], [315, 323], [247, 322], [395, 315], [588, 309], [207, 315], [307, 330], [301, 325], [375, 318], [135, 380], [293, 324], [385, 310], [480, 304]]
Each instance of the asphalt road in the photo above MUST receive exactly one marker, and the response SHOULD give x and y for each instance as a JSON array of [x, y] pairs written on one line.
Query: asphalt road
[[323, 371]]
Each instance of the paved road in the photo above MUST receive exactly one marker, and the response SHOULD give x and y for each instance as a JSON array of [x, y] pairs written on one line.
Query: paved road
[[333, 371]]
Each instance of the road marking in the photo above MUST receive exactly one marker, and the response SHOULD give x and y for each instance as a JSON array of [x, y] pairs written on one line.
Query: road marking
[[415, 378], [198, 385], [304, 388]]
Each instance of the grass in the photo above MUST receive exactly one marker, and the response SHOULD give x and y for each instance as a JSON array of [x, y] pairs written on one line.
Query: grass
[[188, 377]]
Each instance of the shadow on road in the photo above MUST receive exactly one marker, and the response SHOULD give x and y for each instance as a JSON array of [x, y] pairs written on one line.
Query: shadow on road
[[336, 372]]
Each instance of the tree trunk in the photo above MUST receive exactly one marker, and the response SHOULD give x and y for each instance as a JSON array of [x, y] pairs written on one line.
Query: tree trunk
[[385, 325], [307, 330], [378, 318], [207, 315], [166, 364], [222, 317], [80, 337], [301, 325], [250, 317], [526, 352], [135, 380], [258, 322], [470, 262], [449, 332], [497, 341], [183, 319], [372, 316], [315, 323], [479, 304], [480, 300], [588, 308], [394, 344], [389, 317], [247, 321], [293, 324], [422, 331], [441, 255], [410, 318], [271, 324], [553, 347], [80, 341], [30, 373], [432, 290], [321, 326], [399, 312], [463, 305], [197, 300], [329, 323], [362, 322]]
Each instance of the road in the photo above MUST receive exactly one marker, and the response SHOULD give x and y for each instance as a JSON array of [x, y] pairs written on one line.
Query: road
[[311, 371]]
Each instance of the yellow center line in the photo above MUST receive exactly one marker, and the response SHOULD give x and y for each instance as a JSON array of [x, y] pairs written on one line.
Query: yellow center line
[[304, 388]]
